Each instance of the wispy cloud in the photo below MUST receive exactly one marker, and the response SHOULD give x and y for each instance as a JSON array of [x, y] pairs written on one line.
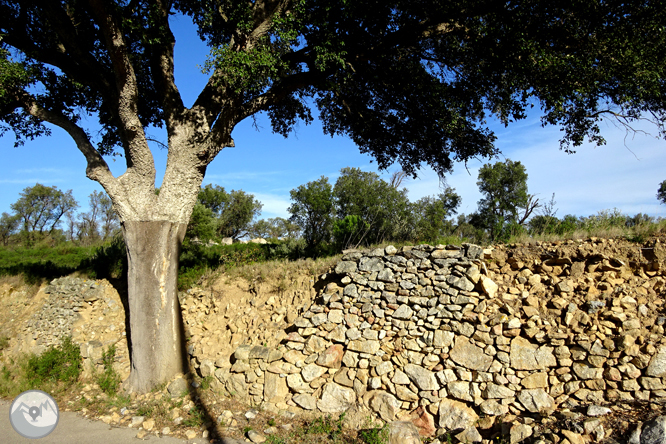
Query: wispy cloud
[[275, 205], [41, 170], [32, 181]]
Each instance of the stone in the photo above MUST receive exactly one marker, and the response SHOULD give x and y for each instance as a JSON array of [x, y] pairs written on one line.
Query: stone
[[403, 432], [459, 390], [190, 434], [454, 415], [584, 371], [364, 346], [535, 380], [596, 410], [527, 356], [275, 388], [344, 267], [405, 394], [148, 424], [573, 437], [495, 391], [536, 400], [312, 371], [488, 286], [177, 387], [371, 264], [652, 432], [403, 312], [422, 378], [423, 421], [519, 433], [255, 436], [137, 421], [493, 408], [308, 402], [469, 355], [331, 357], [336, 399], [657, 366], [469, 435], [384, 404]]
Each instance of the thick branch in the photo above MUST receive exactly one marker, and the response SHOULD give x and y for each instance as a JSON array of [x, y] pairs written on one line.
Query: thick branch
[[97, 168], [139, 157]]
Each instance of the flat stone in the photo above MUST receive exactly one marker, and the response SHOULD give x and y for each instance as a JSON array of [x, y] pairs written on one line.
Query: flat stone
[[364, 346], [305, 401], [312, 371], [488, 286], [331, 357], [422, 378], [454, 415], [469, 355], [403, 432], [597, 410], [384, 404], [657, 366], [459, 390], [344, 267], [493, 408], [536, 400], [535, 380], [519, 433], [403, 312], [336, 399], [495, 391], [527, 356]]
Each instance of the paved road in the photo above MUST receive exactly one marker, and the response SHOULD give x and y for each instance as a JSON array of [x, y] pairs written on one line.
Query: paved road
[[73, 429]]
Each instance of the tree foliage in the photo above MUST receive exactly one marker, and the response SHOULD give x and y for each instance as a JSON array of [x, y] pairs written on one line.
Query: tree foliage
[[41, 209], [661, 192], [312, 210], [223, 214], [433, 215], [503, 188]]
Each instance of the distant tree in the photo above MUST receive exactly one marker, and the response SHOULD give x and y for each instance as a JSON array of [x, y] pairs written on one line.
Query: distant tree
[[202, 226], [661, 192], [9, 223], [504, 190], [235, 212], [432, 215], [350, 231], [312, 210], [41, 208], [238, 214], [384, 208], [275, 228], [99, 223]]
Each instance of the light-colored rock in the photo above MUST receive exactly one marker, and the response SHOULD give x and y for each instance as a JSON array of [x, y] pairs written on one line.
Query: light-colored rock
[[384, 404], [336, 399], [469, 355], [454, 415], [488, 286], [423, 421], [403, 432], [597, 410], [536, 400], [519, 433], [275, 388], [307, 402], [331, 357], [657, 366], [364, 346], [312, 371], [527, 356], [495, 391], [422, 378], [469, 435], [255, 436], [535, 380]]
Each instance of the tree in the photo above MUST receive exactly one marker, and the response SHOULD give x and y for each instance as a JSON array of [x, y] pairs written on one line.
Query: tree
[[275, 228], [383, 209], [41, 208], [407, 81], [504, 190], [312, 210], [8, 226], [432, 215], [234, 211], [661, 192], [100, 222]]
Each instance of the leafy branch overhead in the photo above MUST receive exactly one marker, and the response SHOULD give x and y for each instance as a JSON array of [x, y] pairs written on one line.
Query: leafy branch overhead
[[407, 81]]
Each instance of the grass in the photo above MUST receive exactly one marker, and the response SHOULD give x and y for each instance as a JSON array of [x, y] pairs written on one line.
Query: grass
[[109, 380], [43, 262]]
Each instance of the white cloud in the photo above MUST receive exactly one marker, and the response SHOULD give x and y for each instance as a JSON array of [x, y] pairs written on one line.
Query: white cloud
[[275, 205]]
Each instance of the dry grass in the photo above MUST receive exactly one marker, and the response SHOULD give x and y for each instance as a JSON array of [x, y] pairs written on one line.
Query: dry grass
[[280, 270]]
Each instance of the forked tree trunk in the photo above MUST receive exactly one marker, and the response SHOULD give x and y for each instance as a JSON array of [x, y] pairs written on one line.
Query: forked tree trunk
[[156, 324]]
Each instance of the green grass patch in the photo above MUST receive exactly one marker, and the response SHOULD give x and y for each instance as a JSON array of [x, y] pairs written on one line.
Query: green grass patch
[[43, 262], [109, 380]]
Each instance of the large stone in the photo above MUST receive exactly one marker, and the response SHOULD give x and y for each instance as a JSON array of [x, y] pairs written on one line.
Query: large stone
[[336, 399], [469, 435], [455, 415], [653, 432], [307, 402], [236, 386], [384, 404], [371, 264], [422, 378], [488, 286], [177, 388], [403, 432], [536, 400], [345, 267], [331, 357], [519, 433], [657, 366], [312, 371], [527, 356], [275, 388], [370, 346], [495, 391], [461, 283], [459, 390], [386, 275], [584, 371], [423, 421], [296, 383], [535, 380], [406, 394], [491, 407], [469, 355], [403, 312]]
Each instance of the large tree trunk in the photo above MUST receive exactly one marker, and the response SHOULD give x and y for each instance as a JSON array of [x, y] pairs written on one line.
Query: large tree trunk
[[156, 327]]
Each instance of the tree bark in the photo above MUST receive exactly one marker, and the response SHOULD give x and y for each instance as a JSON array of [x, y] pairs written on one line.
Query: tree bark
[[156, 326]]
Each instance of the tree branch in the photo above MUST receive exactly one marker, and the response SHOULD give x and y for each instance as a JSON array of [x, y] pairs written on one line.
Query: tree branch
[[138, 155]]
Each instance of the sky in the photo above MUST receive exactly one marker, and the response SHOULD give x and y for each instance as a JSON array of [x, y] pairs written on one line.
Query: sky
[[624, 174]]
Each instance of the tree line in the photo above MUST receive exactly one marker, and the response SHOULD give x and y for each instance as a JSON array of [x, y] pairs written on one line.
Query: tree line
[[359, 209]]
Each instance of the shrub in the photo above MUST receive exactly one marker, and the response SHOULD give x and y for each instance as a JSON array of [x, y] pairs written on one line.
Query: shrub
[[56, 364]]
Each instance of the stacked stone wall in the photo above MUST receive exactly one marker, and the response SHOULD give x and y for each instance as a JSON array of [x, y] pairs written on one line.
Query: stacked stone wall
[[453, 337]]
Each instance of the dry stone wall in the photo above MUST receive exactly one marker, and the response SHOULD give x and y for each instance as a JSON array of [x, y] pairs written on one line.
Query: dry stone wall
[[452, 337]]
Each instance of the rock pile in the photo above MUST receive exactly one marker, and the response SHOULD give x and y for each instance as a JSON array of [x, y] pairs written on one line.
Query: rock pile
[[440, 336]]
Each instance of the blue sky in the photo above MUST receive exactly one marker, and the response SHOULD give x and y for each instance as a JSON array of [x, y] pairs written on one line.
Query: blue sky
[[623, 174]]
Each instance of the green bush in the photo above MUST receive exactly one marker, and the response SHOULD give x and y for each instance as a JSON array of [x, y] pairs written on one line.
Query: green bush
[[61, 363], [109, 380]]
